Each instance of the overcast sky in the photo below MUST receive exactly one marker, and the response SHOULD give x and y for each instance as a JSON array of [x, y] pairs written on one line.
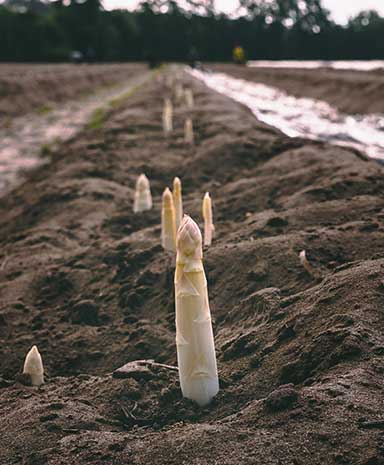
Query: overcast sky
[[341, 9]]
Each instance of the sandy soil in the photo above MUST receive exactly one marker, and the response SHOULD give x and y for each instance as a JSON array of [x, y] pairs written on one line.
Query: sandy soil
[[349, 91], [300, 355], [26, 87]]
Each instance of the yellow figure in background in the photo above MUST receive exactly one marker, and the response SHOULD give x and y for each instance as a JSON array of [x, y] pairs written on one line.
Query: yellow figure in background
[[238, 55]]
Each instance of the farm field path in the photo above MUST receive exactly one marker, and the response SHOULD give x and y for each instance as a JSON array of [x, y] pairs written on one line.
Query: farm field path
[[300, 350], [26, 139]]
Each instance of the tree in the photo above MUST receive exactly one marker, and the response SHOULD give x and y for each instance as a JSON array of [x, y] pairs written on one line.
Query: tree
[[365, 19], [161, 30], [308, 15], [200, 7], [364, 32]]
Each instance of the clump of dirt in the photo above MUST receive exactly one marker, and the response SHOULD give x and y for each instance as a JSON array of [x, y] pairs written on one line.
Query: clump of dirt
[[360, 92], [300, 356]]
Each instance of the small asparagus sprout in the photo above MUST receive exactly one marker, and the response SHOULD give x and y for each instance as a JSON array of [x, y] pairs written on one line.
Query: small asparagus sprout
[[179, 91], [178, 202], [33, 366], [168, 222], [194, 336], [188, 132], [169, 82], [143, 197], [209, 228], [167, 116], [305, 263], [189, 98]]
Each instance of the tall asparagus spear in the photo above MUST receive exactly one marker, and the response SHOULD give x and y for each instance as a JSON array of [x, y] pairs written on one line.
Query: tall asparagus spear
[[168, 222], [209, 228], [188, 132], [33, 366], [194, 336], [179, 91], [167, 116], [305, 263], [189, 98], [143, 197], [178, 201]]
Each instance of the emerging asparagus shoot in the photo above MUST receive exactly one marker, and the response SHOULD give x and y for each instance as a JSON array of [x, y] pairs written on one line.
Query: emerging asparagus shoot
[[194, 336], [167, 116], [179, 91], [188, 132], [168, 222], [189, 98], [143, 197], [169, 82], [305, 263], [178, 202], [33, 366], [209, 228]]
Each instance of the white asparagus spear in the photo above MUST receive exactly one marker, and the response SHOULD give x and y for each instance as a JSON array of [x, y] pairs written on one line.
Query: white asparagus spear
[[167, 116], [179, 91], [168, 222], [209, 228], [188, 132], [189, 98], [143, 197], [178, 201], [169, 82], [33, 366], [305, 263], [194, 336]]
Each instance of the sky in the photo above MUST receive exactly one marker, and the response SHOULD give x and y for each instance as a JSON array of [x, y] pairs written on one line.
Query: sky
[[341, 10]]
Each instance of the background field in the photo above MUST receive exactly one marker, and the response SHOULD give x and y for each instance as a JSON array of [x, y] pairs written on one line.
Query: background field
[[350, 91], [25, 87]]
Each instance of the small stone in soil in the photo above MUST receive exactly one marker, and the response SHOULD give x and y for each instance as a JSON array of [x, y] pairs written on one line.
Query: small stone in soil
[[133, 370]]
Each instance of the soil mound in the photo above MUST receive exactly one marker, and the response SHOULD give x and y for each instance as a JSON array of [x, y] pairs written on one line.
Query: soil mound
[[300, 354]]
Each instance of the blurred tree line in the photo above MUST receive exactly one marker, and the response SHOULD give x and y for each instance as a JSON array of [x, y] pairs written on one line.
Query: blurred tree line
[[42, 30]]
